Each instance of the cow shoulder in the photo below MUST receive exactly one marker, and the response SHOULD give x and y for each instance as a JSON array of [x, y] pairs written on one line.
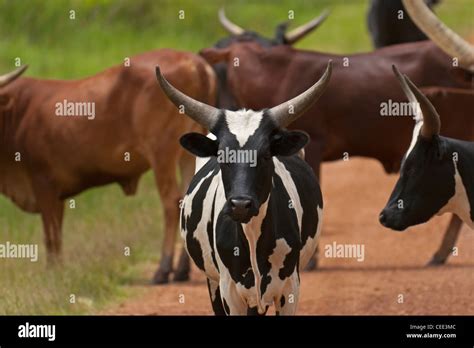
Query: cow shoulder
[[465, 167], [15, 181], [306, 201], [303, 187]]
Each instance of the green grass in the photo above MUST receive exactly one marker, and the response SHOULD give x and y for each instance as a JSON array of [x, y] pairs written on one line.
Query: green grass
[[103, 33], [96, 234]]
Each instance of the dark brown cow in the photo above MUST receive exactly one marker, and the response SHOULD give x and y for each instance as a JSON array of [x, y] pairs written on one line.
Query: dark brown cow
[[62, 156], [348, 120], [225, 100]]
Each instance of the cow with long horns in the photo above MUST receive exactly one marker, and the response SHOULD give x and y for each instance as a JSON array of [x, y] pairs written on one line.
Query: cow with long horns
[[47, 156], [349, 120], [437, 173], [250, 225], [225, 99]]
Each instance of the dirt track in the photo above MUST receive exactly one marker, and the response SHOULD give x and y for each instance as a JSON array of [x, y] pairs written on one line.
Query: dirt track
[[354, 193]]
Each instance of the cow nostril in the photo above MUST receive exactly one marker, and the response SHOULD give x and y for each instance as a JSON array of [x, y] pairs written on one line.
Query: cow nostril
[[382, 218], [241, 204]]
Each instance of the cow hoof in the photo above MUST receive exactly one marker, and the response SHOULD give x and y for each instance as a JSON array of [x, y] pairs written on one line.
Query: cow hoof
[[436, 262], [160, 277], [312, 265], [181, 276]]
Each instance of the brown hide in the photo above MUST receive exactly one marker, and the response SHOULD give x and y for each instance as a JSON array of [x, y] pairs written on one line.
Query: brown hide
[[456, 109], [62, 156], [347, 117]]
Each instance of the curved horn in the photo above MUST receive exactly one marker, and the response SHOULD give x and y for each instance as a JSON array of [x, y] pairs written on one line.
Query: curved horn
[[446, 39], [429, 115], [298, 105], [408, 93], [232, 28], [300, 32], [7, 78], [203, 114]]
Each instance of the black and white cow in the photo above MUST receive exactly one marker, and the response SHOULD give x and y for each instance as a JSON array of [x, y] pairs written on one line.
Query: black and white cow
[[251, 225], [437, 173]]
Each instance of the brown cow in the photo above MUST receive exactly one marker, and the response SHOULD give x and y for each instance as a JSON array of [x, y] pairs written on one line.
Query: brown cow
[[225, 100], [349, 116], [47, 157]]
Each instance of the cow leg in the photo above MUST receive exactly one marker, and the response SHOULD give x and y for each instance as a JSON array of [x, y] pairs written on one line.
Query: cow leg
[[215, 296], [253, 311], [52, 212], [314, 158], [287, 303], [233, 303], [184, 267], [167, 183], [313, 261], [448, 243], [186, 165]]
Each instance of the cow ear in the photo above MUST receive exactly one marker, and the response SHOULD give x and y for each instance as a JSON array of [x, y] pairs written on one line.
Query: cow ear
[[441, 147], [199, 145], [215, 55], [287, 143]]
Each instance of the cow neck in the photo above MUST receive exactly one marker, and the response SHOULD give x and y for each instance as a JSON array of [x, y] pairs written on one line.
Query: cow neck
[[459, 203]]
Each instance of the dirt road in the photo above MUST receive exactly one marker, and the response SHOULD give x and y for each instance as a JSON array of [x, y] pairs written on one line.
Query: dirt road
[[394, 263]]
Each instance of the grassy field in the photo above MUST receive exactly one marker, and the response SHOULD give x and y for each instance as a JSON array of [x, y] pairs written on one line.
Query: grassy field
[[104, 222]]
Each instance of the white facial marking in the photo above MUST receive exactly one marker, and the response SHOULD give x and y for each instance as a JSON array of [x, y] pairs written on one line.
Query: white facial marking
[[243, 123], [416, 132], [458, 203]]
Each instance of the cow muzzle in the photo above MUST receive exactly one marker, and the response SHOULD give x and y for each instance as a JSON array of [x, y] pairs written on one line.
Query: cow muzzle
[[241, 208], [392, 220]]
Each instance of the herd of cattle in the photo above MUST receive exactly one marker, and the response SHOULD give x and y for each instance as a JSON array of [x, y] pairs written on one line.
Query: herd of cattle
[[251, 227]]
